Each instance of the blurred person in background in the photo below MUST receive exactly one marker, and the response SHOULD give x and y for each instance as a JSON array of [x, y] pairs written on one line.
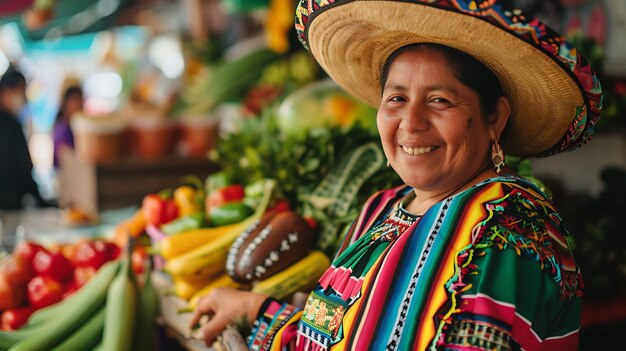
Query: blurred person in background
[[16, 167], [62, 135]]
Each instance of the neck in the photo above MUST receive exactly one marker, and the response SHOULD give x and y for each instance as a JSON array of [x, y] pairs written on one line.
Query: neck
[[425, 199]]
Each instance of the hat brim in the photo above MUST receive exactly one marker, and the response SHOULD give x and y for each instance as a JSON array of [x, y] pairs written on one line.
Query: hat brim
[[352, 42]]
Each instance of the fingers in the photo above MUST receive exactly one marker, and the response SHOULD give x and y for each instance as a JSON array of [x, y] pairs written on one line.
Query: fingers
[[222, 306], [204, 307], [213, 328]]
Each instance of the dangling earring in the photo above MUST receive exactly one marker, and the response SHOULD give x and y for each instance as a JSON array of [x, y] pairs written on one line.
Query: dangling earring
[[388, 164], [497, 157]]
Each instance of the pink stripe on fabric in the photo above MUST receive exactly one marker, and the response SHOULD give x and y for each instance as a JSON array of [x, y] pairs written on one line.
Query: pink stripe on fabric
[[485, 305], [384, 201], [521, 329], [523, 333], [273, 308], [379, 290]]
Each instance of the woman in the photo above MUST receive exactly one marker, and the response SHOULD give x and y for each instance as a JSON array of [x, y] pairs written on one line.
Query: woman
[[62, 135], [465, 256]]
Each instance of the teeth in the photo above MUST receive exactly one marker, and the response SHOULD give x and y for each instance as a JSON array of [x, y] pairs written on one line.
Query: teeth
[[417, 150]]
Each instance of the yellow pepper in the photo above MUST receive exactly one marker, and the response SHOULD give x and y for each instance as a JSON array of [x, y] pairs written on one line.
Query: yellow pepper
[[185, 198]]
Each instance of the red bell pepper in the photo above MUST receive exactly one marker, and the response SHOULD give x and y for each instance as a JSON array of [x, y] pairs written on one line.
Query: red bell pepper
[[311, 222], [224, 195], [14, 318], [280, 205], [53, 265], [158, 210], [138, 258], [44, 291]]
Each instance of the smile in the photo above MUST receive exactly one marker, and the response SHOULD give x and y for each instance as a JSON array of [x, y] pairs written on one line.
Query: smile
[[418, 150]]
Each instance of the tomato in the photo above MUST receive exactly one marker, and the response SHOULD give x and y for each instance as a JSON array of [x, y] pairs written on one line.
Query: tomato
[[44, 291], [12, 292], [82, 275], [14, 318], [224, 195], [113, 250], [93, 253], [26, 251], [53, 265], [14, 274], [70, 288], [157, 210]]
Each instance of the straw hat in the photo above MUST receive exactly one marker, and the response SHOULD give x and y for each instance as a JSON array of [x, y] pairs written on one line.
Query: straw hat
[[555, 95]]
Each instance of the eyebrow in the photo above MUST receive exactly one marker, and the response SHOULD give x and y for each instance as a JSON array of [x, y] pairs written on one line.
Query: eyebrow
[[435, 87]]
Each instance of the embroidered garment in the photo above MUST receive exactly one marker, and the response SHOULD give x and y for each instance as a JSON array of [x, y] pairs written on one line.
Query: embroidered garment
[[486, 269]]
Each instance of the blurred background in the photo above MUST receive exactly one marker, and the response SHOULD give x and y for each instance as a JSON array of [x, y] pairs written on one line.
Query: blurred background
[[125, 97]]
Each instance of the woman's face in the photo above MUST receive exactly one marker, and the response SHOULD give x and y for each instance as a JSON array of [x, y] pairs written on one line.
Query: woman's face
[[430, 123], [73, 104]]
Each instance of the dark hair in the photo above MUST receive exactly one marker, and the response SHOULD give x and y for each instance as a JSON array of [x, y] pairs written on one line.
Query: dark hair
[[12, 79], [466, 69], [72, 90]]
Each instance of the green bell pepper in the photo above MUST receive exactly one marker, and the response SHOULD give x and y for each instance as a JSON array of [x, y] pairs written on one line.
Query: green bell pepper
[[233, 212], [183, 224]]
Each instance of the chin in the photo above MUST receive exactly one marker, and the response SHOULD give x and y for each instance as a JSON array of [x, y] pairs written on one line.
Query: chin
[[416, 181]]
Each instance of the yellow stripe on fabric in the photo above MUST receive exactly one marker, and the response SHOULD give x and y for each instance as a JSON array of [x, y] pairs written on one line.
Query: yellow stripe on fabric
[[277, 344], [462, 238]]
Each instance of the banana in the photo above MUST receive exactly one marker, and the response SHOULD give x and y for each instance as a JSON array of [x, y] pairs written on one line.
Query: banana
[[149, 309], [178, 244], [121, 310], [76, 311], [12, 337], [210, 258], [223, 280], [185, 289], [103, 277], [300, 275], [86, 337]]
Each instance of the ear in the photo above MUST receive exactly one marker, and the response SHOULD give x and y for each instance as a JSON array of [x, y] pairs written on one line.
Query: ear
[[499, 118]]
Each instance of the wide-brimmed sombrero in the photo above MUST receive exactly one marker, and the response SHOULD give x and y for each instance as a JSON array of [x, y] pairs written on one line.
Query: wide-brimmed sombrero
[[555, 95]]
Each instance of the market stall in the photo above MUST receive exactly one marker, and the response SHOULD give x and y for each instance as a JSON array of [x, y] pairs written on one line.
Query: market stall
[[207, 155]]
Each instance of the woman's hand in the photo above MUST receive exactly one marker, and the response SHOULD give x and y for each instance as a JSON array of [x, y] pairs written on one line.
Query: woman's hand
[[223, 306]]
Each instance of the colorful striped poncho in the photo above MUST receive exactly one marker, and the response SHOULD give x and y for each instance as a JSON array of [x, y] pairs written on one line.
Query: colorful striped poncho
[[486, 269]]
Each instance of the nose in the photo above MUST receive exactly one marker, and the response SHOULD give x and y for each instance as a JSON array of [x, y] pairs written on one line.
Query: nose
[[415, 119]]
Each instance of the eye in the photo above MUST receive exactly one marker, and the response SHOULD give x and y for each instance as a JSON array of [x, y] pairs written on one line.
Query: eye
[[440, 100], [396, 98]]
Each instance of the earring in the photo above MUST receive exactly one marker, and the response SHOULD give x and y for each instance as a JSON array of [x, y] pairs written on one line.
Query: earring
[[497, 157], [388, 164]]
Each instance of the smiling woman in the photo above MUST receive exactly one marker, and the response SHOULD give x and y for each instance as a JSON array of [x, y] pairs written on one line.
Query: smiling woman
[[467, 255], [434, 128]]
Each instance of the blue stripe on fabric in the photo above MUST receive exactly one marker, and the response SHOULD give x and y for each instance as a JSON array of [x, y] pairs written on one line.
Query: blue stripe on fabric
[[408, 263]]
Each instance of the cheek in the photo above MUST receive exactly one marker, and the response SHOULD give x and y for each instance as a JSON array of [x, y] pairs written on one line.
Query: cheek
[[383, 127]]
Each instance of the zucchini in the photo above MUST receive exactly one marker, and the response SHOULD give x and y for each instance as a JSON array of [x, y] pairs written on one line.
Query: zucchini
[[332, 201]]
